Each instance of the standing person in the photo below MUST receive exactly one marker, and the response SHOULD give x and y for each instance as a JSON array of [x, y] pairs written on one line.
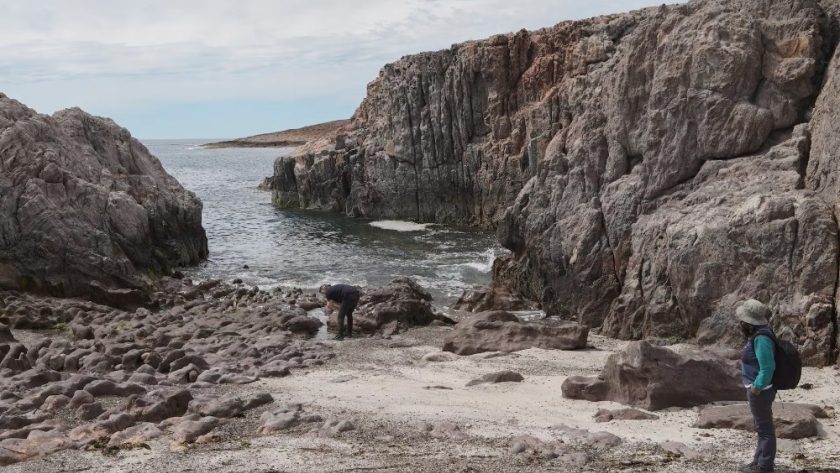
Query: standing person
[[757, 367], [348, 297]]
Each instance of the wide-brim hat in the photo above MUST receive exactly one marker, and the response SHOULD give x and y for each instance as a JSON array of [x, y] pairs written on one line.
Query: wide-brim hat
[[753, 312]]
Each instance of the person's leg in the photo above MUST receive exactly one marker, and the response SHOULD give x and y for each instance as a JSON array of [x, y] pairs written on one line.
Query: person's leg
[[341, 322], [347, 307], [761, 407]]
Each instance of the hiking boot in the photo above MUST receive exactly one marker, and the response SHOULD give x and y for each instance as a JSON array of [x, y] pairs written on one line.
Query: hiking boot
[[350, 335], [754, 468], [338, 337]]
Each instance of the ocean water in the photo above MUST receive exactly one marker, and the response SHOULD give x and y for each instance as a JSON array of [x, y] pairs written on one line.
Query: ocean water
[[301, 248]]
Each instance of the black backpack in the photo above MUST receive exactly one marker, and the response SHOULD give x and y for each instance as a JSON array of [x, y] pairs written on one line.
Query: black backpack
[[788, 364]]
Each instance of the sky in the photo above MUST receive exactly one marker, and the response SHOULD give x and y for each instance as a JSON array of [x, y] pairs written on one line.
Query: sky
[[226, 69]]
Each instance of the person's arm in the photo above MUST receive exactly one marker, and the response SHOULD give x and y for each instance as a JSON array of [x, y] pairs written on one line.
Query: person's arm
[[766, 363]]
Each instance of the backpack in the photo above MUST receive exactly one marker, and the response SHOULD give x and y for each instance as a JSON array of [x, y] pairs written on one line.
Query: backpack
[[788, 364]]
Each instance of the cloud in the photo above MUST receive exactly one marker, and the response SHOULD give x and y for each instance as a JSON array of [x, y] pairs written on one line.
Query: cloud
[[127, 55]]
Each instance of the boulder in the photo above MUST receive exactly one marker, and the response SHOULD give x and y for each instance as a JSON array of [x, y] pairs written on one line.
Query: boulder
[[503, 331], [590, 388], [506, 376], [37, 443], [89, 411], [87, 210], [285, 418], [653, 378], [792, 421], [159, 405]]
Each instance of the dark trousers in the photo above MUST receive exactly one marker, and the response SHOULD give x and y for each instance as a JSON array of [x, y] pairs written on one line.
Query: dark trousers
[[347, 308], [761, 406]]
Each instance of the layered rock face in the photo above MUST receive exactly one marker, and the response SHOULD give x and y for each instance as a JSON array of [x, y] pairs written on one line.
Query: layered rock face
[[85, 208], [648, 170]]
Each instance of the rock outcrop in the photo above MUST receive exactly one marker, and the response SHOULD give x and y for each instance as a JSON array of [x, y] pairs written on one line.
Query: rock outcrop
[[647, 170], [85, 209], [496, 296], [654, 378], [503, 331]]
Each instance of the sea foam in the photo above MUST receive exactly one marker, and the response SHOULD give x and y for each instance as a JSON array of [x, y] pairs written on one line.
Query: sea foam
[[400, 226]]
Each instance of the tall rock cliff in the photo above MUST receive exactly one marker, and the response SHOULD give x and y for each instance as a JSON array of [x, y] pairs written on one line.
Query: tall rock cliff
[[84, 207], [647, 170]]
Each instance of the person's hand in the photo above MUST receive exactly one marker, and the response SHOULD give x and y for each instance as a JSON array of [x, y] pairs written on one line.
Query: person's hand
[[755, 392]]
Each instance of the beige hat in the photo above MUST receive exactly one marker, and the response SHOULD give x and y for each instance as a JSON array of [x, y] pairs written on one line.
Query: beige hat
[[753, 312]]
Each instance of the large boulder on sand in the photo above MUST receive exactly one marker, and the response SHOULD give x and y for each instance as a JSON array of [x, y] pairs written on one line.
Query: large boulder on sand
[[792, 421], [85, 209], [503, 331], [653, 378]]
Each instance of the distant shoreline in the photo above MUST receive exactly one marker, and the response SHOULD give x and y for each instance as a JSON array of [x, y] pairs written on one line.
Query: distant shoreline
[[251, 144], [281, 139]]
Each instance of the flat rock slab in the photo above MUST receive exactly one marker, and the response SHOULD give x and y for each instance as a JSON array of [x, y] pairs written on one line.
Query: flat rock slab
[[503, 331], [597, 440], [506, 376], [230, 406], [792, 421], [439, 357], [447, 430], [605, 415]]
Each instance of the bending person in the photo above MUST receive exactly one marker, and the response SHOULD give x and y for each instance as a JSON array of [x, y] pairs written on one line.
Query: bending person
[[348, 297]]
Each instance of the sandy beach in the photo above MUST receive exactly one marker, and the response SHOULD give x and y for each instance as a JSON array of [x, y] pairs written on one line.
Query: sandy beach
[[392, 398]]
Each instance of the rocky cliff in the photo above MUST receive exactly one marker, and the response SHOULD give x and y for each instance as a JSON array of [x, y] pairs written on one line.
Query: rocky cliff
[[85, 209], [647, 170]]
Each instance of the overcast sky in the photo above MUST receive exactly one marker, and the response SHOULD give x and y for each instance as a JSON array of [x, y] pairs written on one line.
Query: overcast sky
[[226, 69]]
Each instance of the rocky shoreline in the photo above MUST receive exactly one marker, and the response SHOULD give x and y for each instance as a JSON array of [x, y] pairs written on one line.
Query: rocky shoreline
[[94, 376], [387, 403], [647, 170]]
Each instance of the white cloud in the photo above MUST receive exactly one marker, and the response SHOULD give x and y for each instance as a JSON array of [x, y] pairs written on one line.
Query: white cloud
[[95, 53]]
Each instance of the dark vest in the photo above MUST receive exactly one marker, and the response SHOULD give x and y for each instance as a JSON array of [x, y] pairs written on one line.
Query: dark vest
[[749, 361]]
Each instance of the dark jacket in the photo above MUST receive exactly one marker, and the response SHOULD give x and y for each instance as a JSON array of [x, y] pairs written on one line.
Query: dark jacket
[[758, 347], [339, 292]]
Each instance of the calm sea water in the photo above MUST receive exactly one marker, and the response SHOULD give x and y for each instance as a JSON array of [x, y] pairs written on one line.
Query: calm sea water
[[297, 248]]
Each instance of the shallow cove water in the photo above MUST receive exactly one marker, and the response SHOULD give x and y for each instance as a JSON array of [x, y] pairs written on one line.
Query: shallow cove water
[[300, 248]]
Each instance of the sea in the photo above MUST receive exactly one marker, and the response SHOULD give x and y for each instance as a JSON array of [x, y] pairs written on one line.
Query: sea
[[250, 239]]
